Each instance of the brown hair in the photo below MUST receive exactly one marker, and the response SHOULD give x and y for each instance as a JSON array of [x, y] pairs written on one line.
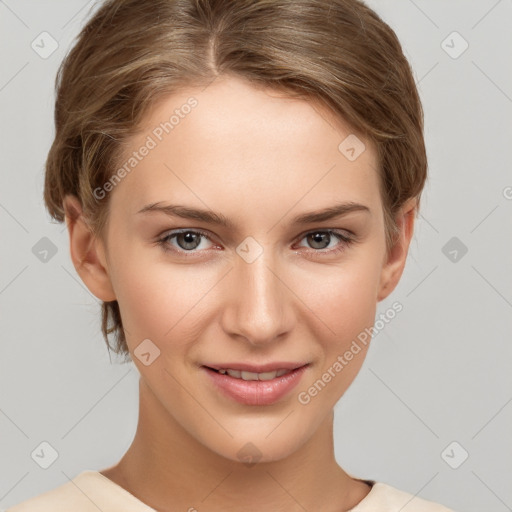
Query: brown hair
[[132, 53]]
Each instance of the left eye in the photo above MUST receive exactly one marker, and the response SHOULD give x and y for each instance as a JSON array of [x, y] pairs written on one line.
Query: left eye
[[189, 240], [318, 239]]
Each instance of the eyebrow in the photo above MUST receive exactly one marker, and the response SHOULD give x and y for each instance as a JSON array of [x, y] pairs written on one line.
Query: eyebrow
[[211, 217]]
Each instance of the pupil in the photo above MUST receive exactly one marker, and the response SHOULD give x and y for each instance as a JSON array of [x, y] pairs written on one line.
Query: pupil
[[317, 238], [189, 239]]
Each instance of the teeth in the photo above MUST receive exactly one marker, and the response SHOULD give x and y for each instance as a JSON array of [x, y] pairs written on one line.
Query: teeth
[[234, 373], [237, 374], [266, 375], [248, 375]]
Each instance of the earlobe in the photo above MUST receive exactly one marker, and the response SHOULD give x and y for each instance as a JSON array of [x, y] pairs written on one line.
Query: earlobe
[[395, 261], [87, 252]]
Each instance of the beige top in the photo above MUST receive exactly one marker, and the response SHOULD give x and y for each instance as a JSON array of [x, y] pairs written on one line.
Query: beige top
[[90, 491]]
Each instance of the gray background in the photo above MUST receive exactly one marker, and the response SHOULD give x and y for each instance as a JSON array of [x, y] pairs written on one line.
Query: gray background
[[438, 373]]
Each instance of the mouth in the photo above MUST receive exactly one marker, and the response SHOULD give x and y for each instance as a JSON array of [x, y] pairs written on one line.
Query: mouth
[[243, 384], [246, 375]]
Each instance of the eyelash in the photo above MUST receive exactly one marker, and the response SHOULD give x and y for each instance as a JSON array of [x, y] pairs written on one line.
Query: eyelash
[[345, 240]]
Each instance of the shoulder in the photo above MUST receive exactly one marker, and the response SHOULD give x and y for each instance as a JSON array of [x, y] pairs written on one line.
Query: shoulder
[[87, 492], [390, 499], [62, 498]]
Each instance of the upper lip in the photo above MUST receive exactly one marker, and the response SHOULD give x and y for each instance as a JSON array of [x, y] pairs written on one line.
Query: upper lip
[[257, 368]]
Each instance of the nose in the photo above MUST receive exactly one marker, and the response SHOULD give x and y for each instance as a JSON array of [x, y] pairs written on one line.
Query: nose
[[259, 305]]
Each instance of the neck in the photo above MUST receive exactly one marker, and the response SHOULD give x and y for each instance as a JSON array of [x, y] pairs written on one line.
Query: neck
[[166, 465]]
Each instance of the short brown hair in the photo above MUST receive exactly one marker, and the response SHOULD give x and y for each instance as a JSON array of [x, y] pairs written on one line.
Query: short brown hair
[[132, 53]]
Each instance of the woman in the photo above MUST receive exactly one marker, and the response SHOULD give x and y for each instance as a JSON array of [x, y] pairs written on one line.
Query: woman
[[240, 182]]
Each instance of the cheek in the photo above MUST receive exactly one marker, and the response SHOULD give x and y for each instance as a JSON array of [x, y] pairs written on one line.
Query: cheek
[[158, 300], [346, 304], [344, 298]]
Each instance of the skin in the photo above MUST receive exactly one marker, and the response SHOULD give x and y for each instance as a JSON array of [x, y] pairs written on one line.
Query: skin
[[259, 158]]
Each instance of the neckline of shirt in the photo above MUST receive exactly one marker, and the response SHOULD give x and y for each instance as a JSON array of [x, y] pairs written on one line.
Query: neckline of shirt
[[91, 473]]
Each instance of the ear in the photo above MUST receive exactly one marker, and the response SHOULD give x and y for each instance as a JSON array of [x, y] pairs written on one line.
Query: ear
[[87, 251], [395, 260]]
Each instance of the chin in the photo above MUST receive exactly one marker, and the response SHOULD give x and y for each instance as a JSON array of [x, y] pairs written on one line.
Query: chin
[[257, 446]]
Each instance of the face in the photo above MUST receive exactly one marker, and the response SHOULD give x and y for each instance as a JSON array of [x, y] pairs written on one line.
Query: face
[[219, 257]]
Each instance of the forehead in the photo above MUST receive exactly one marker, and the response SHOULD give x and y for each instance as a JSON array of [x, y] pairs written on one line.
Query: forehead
[[232, 145]]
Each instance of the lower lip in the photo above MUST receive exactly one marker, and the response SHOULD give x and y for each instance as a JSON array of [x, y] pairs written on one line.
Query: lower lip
[[256, 392]]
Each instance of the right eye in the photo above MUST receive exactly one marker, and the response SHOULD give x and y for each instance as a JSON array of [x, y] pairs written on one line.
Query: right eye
[[187, 240]]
